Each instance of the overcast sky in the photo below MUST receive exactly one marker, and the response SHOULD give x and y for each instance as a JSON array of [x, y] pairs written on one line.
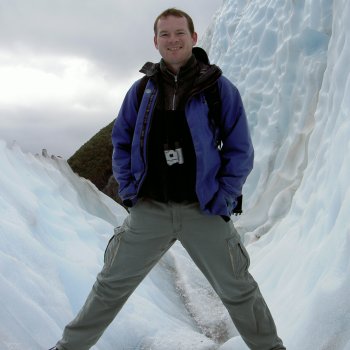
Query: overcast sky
[[66, 65]]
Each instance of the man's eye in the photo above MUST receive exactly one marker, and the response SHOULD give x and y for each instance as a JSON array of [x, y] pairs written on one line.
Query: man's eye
[[163, 35]]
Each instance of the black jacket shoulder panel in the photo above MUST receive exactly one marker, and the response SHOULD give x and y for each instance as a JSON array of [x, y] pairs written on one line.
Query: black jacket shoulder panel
[[150, 69]]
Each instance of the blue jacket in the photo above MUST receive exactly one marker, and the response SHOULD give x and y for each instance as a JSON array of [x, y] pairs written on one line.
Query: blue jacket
[[220, 173]]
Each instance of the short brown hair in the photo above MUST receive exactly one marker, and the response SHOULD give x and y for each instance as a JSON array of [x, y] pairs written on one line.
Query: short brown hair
[[176, 13]]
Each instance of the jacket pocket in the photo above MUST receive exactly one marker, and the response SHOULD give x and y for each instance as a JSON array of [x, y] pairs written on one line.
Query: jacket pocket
[[112, 248], [239, 257]]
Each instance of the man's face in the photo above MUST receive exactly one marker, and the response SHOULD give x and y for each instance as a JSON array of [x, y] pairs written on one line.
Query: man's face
[[174, 41]]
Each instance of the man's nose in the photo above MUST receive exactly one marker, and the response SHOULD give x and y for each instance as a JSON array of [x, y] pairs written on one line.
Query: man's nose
[[173, 38]]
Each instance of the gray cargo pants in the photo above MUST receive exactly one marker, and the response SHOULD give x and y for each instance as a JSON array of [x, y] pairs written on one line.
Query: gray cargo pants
[[146, 234]]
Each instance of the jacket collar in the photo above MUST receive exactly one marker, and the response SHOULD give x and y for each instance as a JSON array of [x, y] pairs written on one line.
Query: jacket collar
[[206, 74], [187, 71]]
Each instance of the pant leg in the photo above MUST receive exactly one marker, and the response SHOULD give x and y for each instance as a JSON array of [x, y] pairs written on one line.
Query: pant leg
[[131, 253], [217, 250]]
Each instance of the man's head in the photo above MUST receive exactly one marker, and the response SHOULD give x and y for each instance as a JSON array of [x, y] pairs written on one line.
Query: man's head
[[176, 13], [174, 37]]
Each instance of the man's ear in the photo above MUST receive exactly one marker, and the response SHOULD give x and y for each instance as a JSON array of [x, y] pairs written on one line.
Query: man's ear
[[194, 38], [155, 41]]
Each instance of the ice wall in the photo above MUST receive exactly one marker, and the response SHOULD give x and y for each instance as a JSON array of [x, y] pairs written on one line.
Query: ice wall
[[290, 60], [276, 54], [53, 229]]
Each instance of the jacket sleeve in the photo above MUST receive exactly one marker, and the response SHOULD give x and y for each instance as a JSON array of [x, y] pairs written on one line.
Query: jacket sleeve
[[122, 136], [237, 153]]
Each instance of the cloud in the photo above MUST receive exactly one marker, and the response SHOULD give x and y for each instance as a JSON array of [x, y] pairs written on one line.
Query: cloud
[[106, 31], [37, 128], [46, 79]]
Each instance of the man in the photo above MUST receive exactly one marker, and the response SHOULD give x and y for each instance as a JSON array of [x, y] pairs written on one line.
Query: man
[[179, 185]]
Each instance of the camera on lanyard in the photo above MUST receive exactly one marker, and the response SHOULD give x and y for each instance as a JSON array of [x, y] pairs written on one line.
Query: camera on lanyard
[[173, 156]]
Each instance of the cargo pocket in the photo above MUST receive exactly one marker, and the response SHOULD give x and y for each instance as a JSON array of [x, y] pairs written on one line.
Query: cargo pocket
[[112, 248], [239, 257]]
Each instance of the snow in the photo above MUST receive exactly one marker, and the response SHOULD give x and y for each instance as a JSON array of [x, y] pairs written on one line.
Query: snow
[[290, 61]]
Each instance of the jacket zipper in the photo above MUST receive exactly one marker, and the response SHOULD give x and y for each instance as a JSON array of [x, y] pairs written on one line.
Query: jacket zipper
[[175, 91]]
